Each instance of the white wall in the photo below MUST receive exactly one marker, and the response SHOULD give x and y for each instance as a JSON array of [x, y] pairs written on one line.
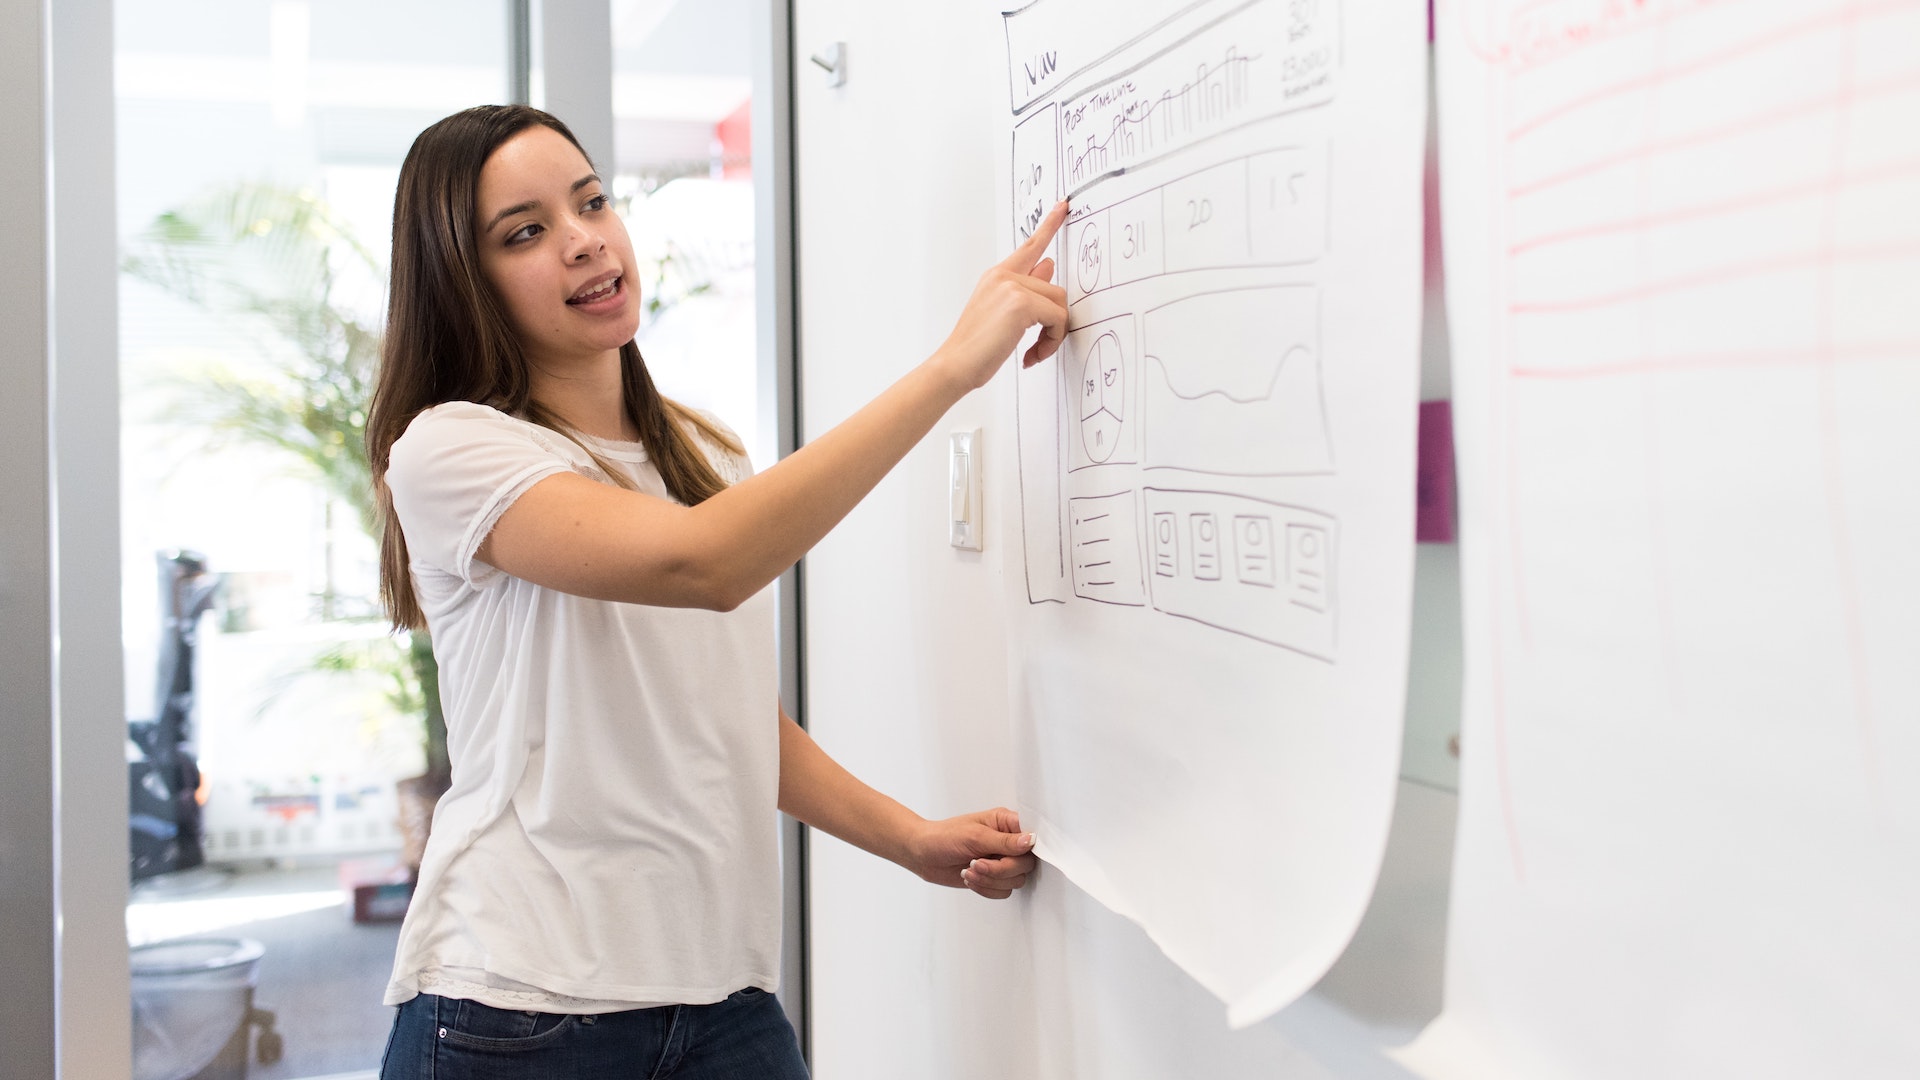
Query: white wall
[[906, 650], [63, 810], [89, 716]]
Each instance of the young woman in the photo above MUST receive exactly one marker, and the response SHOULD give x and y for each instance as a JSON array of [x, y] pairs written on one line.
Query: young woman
[[600, 896]]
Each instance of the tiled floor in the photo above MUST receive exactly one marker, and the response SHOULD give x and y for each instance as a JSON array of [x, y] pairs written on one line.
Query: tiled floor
[[321, 974]]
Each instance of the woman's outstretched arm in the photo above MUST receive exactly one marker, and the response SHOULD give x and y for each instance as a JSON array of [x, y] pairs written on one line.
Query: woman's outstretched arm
[[985, 851], [575, 535]]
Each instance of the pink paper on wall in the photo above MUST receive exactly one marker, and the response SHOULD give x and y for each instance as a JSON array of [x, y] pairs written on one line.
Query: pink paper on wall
[[1433, 513], [1681, 252]]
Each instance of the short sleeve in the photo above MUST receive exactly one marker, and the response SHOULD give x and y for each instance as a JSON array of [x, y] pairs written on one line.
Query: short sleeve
[[455, 470], [733, 466]]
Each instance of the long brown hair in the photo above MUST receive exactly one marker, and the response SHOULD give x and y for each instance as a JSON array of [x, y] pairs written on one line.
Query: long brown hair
[[448, 337]]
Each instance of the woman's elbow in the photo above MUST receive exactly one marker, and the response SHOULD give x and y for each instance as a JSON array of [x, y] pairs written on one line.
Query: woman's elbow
[[714, 588], [724, 601]]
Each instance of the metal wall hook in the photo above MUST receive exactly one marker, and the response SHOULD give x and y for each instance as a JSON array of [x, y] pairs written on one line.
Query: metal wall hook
[[834, 61]]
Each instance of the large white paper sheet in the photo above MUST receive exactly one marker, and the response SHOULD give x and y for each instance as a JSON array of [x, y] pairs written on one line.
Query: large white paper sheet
[[1210, 608], [1683, 260]]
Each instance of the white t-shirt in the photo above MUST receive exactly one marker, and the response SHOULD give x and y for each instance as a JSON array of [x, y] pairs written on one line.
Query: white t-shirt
[[610, 840]]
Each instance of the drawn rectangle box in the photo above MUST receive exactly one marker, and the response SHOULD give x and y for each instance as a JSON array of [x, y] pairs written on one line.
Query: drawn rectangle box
[[1036, 169], [1100, 362], [1204, 529], [1253, 561], [1136, 245], [1230, 384], [1105, 536], [1309, 572], [1263, 570], [1164, 528], [1087, 256], [1040, 416], [1205, 218], [1287, 205], [1257, 61]]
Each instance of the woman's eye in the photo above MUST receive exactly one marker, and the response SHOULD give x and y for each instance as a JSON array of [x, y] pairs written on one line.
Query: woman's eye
[[523, 233], [598, 202]]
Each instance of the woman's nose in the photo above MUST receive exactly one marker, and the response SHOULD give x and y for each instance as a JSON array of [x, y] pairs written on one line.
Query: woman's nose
[[583, 242]]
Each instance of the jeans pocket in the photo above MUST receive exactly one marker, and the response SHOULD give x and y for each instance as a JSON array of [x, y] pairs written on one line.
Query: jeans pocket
[[482, 1027], [746, 994]]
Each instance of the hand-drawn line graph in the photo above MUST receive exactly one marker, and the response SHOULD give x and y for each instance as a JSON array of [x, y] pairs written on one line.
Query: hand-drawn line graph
[[1106, 549], [1260, 569], [1233, 384]]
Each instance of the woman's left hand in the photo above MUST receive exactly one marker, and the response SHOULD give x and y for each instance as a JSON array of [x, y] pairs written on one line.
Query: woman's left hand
[[984, 851]]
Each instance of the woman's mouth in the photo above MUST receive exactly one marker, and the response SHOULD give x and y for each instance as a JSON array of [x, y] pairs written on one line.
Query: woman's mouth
[[594, 294]]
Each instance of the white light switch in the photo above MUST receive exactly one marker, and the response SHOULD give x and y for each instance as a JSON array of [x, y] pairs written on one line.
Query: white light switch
[[963, 490]]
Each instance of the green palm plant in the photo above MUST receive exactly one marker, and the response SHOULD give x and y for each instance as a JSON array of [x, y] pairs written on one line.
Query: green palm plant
[[282, 264]]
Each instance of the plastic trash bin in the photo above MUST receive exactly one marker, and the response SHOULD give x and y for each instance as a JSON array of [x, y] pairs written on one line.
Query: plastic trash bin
[[189, 997]]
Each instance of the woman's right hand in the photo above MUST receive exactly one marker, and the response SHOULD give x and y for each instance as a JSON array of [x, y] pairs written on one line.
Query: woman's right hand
[[1013, 295]]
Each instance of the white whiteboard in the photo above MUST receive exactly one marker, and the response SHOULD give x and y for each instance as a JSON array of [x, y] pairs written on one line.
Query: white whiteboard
[[1210, 610], [1682, 259]]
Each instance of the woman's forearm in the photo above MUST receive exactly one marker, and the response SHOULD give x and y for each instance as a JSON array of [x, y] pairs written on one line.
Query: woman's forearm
[[817, 790]]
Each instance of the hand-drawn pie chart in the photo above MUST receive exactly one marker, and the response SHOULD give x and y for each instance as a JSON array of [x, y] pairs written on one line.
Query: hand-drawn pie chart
[[1103, 388]]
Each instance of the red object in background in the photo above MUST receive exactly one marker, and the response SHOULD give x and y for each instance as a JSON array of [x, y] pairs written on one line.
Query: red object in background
[[381, 888], [1433, 513], [735, 135]]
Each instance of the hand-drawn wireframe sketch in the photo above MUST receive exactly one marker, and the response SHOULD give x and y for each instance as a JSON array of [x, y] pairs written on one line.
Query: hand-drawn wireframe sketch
[[1681, 255], [1255, 568], [1215, 471], [1235, 386]]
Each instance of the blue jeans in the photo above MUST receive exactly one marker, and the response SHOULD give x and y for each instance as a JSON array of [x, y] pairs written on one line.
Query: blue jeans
[[746, 1036]]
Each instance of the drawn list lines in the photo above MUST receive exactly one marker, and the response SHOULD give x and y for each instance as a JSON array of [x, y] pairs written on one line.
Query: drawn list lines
[[1104, 534]]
